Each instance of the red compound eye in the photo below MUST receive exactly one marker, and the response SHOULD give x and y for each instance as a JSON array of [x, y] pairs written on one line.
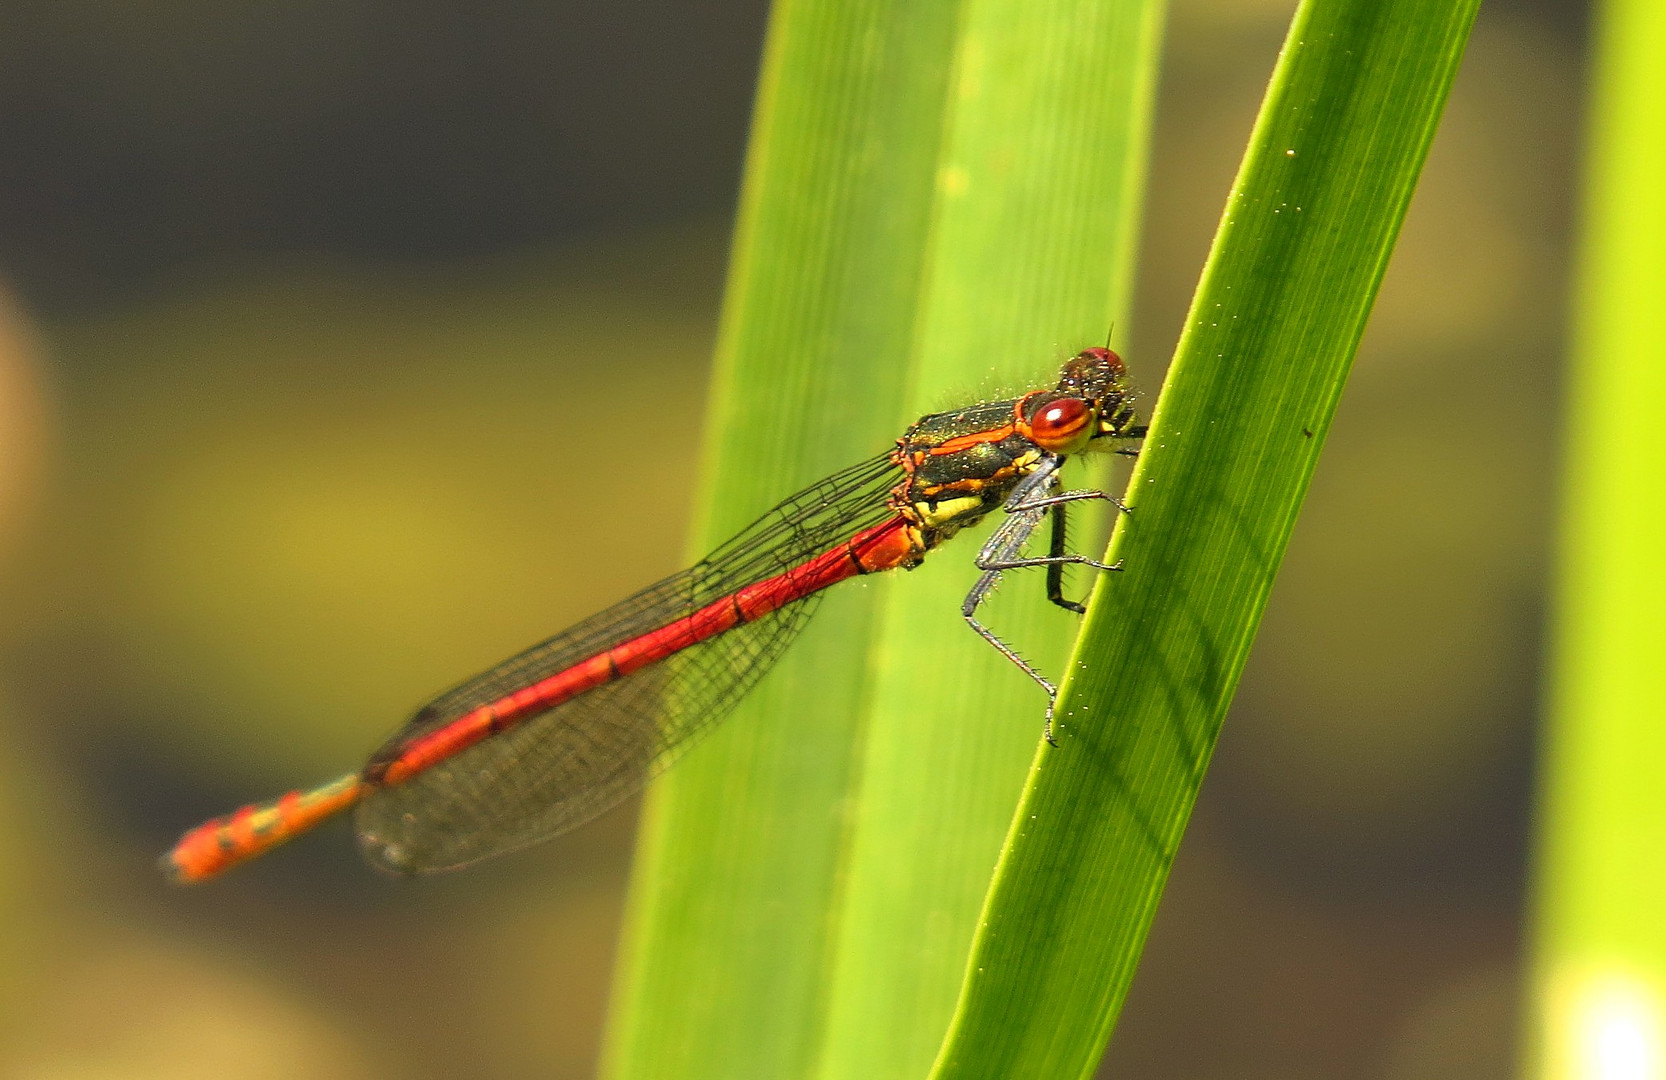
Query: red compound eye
[[1062, 426]]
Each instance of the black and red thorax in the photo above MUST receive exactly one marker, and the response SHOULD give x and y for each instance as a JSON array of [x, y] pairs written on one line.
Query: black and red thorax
[[961, 465]]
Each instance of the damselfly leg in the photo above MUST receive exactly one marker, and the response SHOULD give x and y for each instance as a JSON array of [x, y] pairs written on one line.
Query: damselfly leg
[[1036, 498]]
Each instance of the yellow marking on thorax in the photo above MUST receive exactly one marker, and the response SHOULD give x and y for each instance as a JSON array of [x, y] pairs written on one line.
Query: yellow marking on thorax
[[935, 515]]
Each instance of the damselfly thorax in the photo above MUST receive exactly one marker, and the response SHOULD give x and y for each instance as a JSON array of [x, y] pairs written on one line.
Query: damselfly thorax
[[962, 465]]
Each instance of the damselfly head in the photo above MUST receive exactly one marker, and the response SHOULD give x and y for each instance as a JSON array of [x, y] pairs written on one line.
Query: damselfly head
[[1098, 376], [1092, 401]]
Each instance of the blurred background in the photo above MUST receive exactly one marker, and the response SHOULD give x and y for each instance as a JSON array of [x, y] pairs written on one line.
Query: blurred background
[[306, 313]]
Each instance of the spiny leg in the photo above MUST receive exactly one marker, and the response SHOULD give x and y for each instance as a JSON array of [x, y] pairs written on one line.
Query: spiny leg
[[1005, 543], [1055, 569], [1067, 497], [1002, 553], [969, 609], [998, 555], [1004, 556]]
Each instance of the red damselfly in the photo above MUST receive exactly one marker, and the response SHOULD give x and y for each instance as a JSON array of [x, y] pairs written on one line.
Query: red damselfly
[[553, 737]]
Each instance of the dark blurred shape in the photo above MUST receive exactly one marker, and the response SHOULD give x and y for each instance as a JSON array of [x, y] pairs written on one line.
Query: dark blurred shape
[[142, 136], [23, 422]]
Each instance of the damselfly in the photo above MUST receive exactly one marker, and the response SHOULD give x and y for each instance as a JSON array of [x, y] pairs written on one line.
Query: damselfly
[[553, 737]]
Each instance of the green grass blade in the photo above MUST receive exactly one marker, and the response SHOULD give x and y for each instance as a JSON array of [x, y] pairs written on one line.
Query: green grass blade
[[1599, 988], [722, 973], [1029, 260], [1307, 232]]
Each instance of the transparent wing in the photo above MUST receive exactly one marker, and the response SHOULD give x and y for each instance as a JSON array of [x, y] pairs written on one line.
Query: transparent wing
[[561, 767]]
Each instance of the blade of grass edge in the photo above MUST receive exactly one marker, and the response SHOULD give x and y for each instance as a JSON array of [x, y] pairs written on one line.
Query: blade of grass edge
[[1598, 988], [1307, 231], [728, 927], [1029, 259]]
